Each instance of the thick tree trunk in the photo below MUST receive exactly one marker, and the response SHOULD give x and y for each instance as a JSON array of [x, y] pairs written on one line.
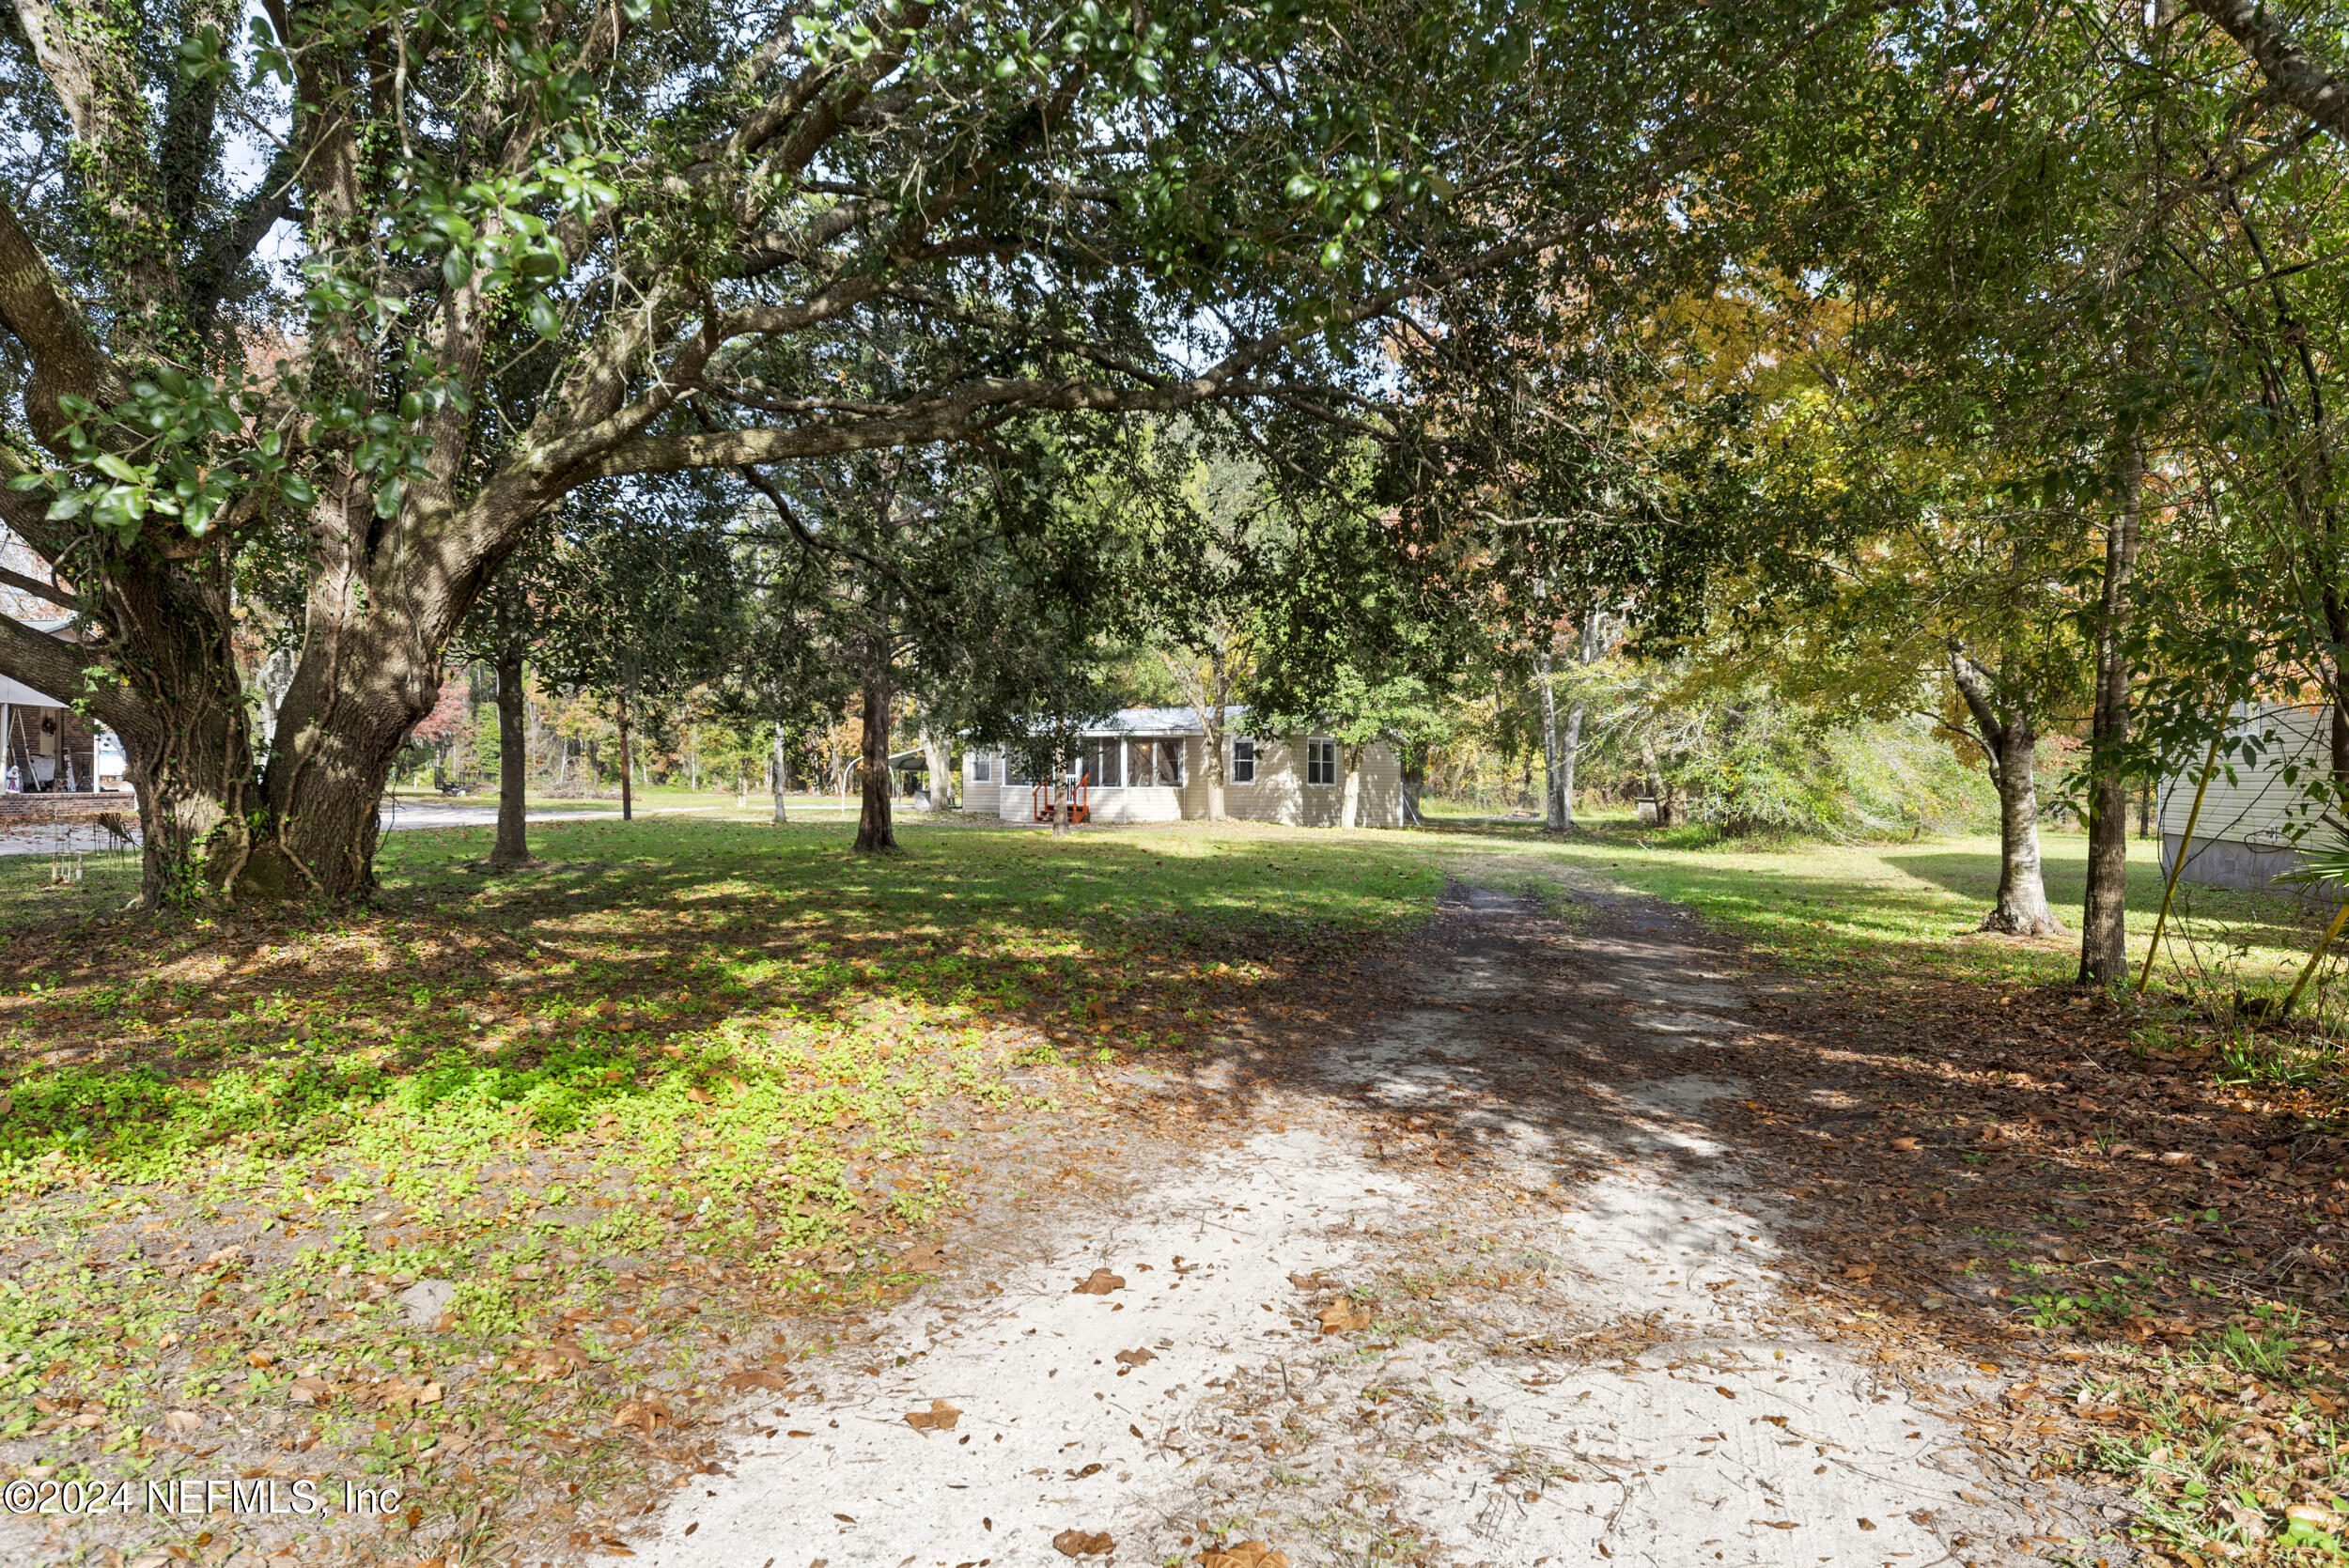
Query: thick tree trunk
[[627, 772], [875, 832], [1657, 789], [513, 843], [186, 732], [1351, 788], [2022, 908], [195, 789], [781, 776], [2103, 935], [2010, 740], [939, 757], [1569, 755]]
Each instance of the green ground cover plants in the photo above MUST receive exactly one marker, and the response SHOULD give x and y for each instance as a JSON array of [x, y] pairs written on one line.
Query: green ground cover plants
[[482, 1188]]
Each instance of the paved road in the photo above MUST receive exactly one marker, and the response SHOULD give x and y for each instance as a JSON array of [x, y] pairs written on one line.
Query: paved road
[[69, 837]]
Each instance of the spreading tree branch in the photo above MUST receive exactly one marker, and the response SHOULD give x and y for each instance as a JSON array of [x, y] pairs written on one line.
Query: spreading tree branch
[[36, 311], [40, 590], [2299, 78]]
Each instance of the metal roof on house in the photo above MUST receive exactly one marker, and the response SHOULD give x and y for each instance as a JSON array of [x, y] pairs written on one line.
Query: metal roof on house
[[1161, 720]]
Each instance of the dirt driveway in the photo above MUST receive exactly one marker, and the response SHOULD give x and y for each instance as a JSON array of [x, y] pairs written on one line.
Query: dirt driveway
[[1461, 1262]]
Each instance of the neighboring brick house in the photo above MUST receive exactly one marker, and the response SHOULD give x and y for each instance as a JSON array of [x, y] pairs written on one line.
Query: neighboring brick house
[[46, 748]]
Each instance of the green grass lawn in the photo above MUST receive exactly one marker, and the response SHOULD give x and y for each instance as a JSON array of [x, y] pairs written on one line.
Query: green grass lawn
[[682, 1055], [700, 1054], [1917, 907]]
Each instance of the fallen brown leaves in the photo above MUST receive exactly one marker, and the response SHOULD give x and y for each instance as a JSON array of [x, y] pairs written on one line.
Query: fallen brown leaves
[[940, 1417], [646, 1415], [1343, 1316], [1100, 1282], [2023, 1166], [756, 1377], [1077, 1542], [1942, 1128], [1248, 1553]]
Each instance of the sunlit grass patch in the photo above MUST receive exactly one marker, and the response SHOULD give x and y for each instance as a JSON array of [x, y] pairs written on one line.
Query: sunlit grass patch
[[1917, 907], [430, 1190]]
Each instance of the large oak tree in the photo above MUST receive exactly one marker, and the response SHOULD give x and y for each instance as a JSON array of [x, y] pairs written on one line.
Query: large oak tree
[[271, 283]]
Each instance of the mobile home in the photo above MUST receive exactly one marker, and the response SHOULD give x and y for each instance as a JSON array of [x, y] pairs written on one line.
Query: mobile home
[[1149, 765]]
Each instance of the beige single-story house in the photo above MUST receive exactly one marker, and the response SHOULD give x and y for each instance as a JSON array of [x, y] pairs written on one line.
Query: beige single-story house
[[2251, 818], [1149, 765]]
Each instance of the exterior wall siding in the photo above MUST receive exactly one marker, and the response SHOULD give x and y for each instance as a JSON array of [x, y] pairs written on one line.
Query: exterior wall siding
[[2241, 839], [977, 797], [1137, 803], [1194, 791], [1379, 804], [2222, 863], [1278, 794]]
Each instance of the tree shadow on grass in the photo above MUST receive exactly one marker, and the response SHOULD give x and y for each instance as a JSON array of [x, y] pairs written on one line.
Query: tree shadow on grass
[[1878, 1137], [647, 961]]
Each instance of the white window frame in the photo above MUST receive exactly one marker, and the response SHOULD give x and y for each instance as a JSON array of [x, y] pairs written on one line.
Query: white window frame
[[1321, 757], [1149, 752], [1243, 762], [981, 766]]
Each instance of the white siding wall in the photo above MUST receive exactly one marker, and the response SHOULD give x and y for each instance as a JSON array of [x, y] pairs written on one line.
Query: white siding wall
[[977, 797], [1016, 802], [1280, 793], [2256, 805], [1145, 804], [1380, 802]]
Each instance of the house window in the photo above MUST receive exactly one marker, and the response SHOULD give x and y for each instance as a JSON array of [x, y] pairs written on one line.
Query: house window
[[980, 763], [1154, 762], [1243, 759], [1016, 771], [1102, 760], [1321, 762]]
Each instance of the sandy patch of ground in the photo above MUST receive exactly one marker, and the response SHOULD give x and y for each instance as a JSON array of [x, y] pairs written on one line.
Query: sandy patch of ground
[[1558, 1333]]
